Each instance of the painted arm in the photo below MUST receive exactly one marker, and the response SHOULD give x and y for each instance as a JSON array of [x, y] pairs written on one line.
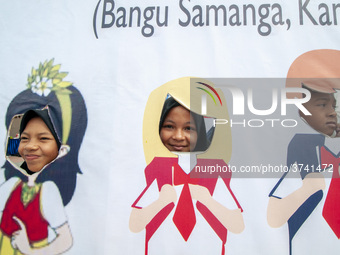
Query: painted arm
[[5, 190], [280, 210], [59, 245], [140, 217], [230, 219]]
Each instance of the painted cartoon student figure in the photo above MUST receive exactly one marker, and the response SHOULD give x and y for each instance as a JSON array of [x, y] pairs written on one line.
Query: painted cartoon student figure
[[317, 72], [41, 180], [176, 146]]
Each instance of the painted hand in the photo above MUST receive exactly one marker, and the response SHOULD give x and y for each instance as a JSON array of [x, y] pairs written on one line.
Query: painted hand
[[168, 194], [200, 193], [20, 238]]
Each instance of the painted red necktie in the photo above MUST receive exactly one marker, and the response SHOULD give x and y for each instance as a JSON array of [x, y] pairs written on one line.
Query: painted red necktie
[[184, 217], [331, 209]]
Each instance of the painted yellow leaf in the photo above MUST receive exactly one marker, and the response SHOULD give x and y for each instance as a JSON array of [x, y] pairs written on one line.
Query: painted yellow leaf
[[64, 84], [55, 68], [61, 75], [45, 73], [53, 74], [50, 63], [56, 81]]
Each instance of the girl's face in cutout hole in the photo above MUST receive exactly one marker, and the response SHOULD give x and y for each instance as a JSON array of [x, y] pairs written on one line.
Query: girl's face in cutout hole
[[37, 145], [179, 132]]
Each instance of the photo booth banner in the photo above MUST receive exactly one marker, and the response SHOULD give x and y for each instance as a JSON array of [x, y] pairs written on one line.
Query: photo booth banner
[[264, 179]]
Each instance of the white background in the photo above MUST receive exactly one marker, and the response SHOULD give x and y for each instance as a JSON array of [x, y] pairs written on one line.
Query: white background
[[116, 74]]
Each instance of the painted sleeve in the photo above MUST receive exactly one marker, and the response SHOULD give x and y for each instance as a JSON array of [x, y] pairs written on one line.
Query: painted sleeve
[[157, 174], [5, 190], [302, 159], [150, 192], [227, 184], [226, 177], [52, 205]]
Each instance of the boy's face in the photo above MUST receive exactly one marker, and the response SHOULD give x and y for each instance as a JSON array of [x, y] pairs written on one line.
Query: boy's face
[[179, 132], [322, 108], [37, 145]]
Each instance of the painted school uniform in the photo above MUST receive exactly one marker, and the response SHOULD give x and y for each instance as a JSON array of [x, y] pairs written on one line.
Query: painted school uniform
[[35, 211], [167, 171], [309, 154]]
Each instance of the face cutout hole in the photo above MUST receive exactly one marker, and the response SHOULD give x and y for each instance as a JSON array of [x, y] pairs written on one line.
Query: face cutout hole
[[32, 142], [324, 116], [13, 141], [181, 130]]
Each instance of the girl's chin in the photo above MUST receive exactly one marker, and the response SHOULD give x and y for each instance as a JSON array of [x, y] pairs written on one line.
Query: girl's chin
[[180, 149]]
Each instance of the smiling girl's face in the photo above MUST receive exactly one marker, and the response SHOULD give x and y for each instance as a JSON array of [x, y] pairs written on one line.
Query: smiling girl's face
[[179, 132], [37, 145]]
